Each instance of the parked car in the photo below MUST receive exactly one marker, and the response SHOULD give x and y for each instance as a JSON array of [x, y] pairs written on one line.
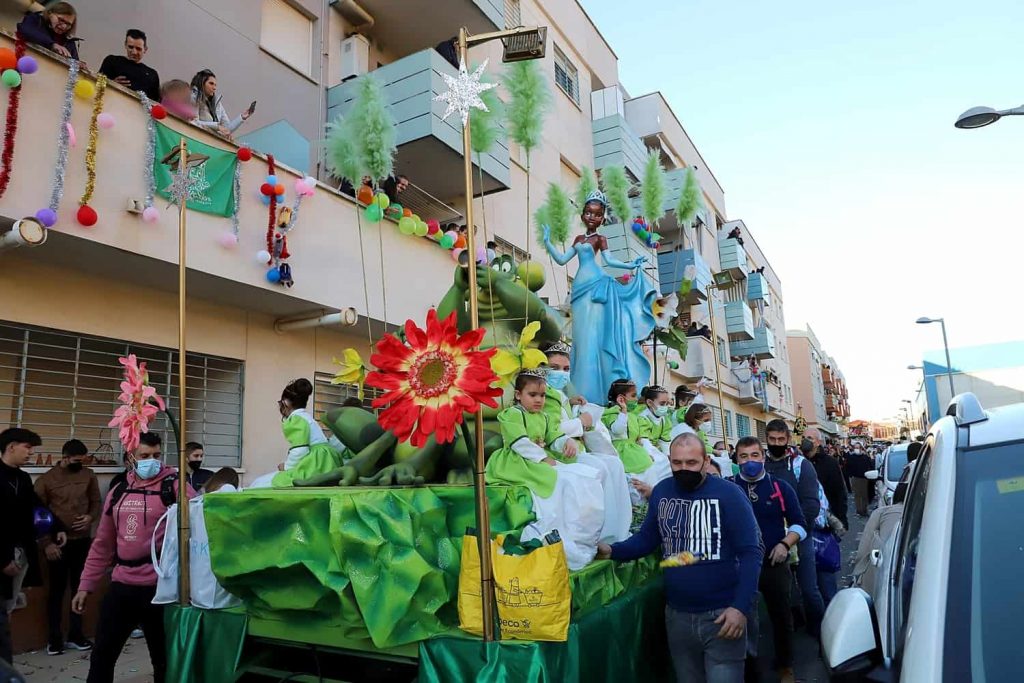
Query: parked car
[[947, 600], [889, 471]]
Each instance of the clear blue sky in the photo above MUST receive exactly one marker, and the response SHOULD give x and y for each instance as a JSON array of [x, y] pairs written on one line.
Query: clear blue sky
[[830, 126]]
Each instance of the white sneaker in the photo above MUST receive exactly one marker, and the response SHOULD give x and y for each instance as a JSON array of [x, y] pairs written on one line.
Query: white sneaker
[[137, 633]]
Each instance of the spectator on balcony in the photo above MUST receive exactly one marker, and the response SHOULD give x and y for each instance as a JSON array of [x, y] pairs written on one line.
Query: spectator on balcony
[[449, 49], [53, 28], [210, 113], [394, 186], [176, 97], [492, 251], [693, 330], [129, 70], [734, 234], [705, 332]]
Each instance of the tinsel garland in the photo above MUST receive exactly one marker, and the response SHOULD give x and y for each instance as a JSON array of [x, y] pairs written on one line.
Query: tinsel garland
[[94, 134], [271, 214], [11, 129], [150, 155], [63, 137], [236, 194]]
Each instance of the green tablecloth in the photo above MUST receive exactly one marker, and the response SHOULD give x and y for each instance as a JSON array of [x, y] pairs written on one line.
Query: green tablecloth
[[625, 641], [203, 645], [378, 566]]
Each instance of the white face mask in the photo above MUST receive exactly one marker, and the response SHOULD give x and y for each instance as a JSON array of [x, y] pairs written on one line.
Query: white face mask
[[705, 426], [660, 411]]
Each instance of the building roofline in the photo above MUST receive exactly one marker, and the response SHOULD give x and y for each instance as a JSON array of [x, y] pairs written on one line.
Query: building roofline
[[594, 26], [750, 235]]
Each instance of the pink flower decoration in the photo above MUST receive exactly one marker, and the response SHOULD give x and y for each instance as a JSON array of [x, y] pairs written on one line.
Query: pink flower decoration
[[133, 416]]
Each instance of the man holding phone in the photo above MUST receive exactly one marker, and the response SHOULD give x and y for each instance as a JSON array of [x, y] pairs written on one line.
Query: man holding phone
[[72, 493]]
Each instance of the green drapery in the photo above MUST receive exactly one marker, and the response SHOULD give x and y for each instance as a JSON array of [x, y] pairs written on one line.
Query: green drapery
[[625, 641], [376, 567], [203, 645], [211, 185]]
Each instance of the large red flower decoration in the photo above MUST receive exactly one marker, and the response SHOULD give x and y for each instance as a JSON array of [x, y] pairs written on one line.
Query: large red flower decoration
[[431, 380]]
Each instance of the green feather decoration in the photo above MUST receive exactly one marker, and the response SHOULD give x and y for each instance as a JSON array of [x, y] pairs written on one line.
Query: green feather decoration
[[588, 183], [652, 192], [374, 129], [529, 98], [342, 157], [557, 213], [616, 186], [690, 199], [485, 126], [540, 219]]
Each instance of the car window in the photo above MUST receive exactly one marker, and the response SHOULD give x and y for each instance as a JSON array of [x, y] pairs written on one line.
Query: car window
[[910, 533], [984, 598], [894, 465]]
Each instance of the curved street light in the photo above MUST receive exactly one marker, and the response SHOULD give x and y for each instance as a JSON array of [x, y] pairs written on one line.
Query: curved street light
[[978, 117], [945, 345]]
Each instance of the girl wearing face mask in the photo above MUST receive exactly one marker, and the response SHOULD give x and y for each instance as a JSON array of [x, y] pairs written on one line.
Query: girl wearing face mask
[[622, 420], [536, 454], [655, 421], [697, 421]]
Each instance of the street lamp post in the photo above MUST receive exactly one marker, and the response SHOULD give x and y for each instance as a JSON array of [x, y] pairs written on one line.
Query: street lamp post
[[978, 117], [945, 346]]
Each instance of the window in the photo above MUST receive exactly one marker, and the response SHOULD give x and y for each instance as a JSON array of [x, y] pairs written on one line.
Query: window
[[327, 396], [287, 33], [910, 536], [742, 426], [723, 354], [513, 14], [762, 431], [716, 422], [64, 385], [728, 423], [506, 248], [567, 78]]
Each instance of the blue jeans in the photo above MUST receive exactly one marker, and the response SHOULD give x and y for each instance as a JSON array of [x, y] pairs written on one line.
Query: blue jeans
[[807, 579], [827, 586], [698, 654]]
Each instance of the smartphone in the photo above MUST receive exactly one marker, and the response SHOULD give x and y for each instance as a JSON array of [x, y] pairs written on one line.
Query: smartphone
[[252, 107]]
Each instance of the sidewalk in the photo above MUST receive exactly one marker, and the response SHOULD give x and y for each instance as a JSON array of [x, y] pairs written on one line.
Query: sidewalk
[[132, 667]]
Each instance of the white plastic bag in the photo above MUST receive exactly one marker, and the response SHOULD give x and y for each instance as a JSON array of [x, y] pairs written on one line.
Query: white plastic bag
[[598, 439], [206, 592]]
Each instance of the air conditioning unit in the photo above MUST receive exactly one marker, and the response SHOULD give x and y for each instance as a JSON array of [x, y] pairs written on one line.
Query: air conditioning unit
[[355, 57]]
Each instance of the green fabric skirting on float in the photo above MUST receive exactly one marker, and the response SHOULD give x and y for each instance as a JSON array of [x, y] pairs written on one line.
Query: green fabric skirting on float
[[203, 645], [625, 641]]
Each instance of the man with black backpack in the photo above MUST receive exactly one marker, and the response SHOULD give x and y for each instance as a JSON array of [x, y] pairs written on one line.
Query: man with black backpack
[[122, 541]]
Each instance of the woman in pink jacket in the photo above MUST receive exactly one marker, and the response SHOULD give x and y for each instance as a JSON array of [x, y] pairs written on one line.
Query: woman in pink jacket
[[122, 541]]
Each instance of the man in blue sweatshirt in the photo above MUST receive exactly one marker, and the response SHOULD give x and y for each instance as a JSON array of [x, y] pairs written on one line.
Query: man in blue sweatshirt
[[708, 524], [782, 525]]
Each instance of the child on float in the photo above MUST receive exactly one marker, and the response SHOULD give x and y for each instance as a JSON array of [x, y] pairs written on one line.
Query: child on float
[[684, 399], [534, 453], [624, 424], [655, 422], [697, 421], [309, 452], [575, 418]]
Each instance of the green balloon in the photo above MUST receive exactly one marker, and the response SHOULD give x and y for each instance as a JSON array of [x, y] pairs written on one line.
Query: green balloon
[[643, 235], [395, 209], [446, 242], [374, 213], [11, 78], [421, 229], [406, 225]]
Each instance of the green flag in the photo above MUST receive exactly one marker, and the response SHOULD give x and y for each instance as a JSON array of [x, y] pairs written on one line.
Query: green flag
[[210, 184]]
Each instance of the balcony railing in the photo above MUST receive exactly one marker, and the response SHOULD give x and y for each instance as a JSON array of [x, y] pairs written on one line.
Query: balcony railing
[[739, 321], [395, 26], [699, 361], [615, 143], [761, 346], [733, 258], [429, 148], [757, 288], [673, 265], [748, 388]]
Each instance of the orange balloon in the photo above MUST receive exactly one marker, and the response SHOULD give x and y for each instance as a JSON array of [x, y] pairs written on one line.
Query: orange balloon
[[8, 60], [460, 243], [365, 195], [406, 212], [279, 188]]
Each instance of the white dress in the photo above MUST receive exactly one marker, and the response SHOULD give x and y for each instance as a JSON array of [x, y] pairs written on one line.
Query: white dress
[[659, 468], [615, 484]]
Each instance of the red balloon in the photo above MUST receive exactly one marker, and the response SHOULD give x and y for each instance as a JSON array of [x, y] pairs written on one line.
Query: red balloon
[[267, 189], [244, 154], [87, 216], [158, 111], [433, 226], [8, 60]]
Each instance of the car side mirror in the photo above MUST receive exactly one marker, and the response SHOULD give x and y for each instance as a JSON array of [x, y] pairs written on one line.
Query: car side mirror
[[849, 633], [871, 474]]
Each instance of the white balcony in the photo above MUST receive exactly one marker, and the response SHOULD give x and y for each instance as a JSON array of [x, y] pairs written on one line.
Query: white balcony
[[739, 323]]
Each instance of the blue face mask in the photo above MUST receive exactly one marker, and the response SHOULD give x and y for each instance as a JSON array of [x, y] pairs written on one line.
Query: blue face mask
[[147, 469], [752, 469], [558, 379], [660, 411]]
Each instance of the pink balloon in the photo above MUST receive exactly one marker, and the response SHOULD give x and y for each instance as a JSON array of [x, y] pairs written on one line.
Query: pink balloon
[[301, 187], [433, 226], [227, 240], [105, 121], [454, 235], [456, 253], [481, 255], [72, 138], [150, 214]]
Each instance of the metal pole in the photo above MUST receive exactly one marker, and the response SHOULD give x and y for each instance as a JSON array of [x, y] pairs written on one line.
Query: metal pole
[[483, 515], [184, 583], [718, 377], [949, 366]]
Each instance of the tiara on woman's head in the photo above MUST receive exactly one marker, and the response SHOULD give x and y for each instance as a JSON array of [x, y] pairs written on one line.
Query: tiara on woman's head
[[597, 196], [558, 347]]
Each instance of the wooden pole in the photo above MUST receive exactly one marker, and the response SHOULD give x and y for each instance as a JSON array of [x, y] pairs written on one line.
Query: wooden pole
[[184, 582], [483, 515]]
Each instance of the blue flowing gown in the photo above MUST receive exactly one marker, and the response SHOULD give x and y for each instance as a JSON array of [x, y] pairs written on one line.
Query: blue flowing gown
[[609, 322]]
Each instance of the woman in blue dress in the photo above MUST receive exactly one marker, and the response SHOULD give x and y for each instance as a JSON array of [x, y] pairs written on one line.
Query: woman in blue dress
[[610, 320]]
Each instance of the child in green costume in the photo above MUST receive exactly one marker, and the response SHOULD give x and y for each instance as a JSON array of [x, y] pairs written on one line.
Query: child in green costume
[[309, 451], [623, 422], [655, 423], [697, 421], [566, 494]]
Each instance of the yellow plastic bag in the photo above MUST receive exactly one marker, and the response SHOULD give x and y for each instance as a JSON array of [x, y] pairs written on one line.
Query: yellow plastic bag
[[531, 588]]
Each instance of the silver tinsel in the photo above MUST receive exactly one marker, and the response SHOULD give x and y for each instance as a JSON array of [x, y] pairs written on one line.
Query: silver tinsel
[[150, 157], [464, 91], [180, 186], [236, 193], [57, 192]]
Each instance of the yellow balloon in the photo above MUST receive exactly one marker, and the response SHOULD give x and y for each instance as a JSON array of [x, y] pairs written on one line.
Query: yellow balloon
[[85, 89], [382, 200]]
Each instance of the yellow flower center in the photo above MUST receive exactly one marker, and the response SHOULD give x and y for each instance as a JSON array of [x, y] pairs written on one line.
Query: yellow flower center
[[432, 374]]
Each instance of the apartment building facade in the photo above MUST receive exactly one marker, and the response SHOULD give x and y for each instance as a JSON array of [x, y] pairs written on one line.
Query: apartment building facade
[[819, 387]]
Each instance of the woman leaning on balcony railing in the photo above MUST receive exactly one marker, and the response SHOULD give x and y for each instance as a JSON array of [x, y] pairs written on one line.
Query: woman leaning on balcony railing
[[53, 29]]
